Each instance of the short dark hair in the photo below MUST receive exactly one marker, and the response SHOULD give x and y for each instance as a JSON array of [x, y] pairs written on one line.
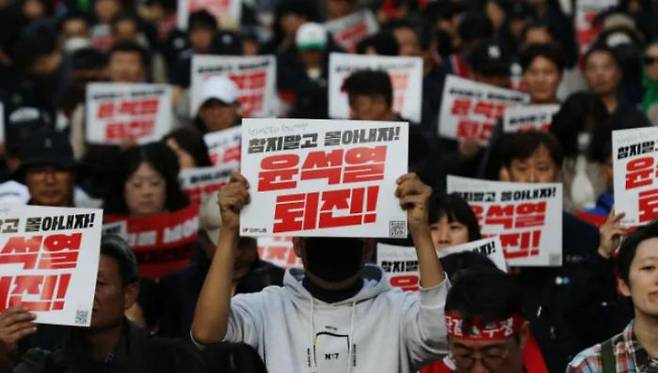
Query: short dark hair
[[126, 46], [455, 208], [383, 42], [602, 48], [192, 142], [521, 146], [475, 26], [371, 83], [162, 159], [116, 247], [629, 246], [37, 40], [454, 263], [202, 19], [88, 58], [551, 52], [484, 293]]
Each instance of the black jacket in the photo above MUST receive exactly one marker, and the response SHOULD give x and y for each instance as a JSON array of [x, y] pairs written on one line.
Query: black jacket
[[136, 352]]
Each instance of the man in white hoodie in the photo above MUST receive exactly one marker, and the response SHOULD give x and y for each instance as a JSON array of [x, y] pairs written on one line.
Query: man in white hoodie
[[338, 314]]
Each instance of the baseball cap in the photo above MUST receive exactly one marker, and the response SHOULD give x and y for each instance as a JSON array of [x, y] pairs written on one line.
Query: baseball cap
[[311, 36], [46, 148], [489, 58], [220, 88], [210, 221]]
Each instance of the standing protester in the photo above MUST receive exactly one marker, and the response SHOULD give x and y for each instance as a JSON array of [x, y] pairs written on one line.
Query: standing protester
[[636, 348], [329, 316]]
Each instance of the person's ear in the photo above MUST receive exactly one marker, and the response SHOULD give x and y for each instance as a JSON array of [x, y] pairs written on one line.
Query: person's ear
[[298, 244], [130, 295], [504, 174], [524, 334], [623, 287]]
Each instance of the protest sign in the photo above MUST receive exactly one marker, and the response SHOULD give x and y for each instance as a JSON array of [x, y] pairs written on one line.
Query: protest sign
[[117, 112], [224, 147], [223, 10], [348, 31], [490, 247], [120, 228], [323, 177], [162, 243], [401, 262], [49, 261], [406, 77], [278, 251], [199, 183], [470, 110], [586, 12], [527, 217], [527, 118], [635, 170], [255, 77]]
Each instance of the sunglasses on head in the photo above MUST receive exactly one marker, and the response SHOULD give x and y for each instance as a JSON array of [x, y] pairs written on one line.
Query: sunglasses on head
[[649, 60]]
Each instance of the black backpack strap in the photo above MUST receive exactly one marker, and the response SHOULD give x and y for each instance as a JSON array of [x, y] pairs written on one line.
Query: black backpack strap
[[608, 357]]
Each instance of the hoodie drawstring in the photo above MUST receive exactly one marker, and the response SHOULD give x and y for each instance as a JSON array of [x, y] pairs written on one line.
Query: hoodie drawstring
[[314, 362], [349, 339]]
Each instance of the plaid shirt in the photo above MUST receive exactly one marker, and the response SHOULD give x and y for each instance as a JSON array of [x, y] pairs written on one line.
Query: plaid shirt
[[630, 356]]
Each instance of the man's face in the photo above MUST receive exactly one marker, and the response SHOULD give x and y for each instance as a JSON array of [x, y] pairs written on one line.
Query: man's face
[[490, 357], [363, 107], [126, 30], [339, 8], [217, 116], [126, 67], [76, 27], [602, 74], [538, 168], [111, 298], [201, 39], [642, 284], [408, 40], [537, 35], [50, 186], [106, 10], [542, 78]]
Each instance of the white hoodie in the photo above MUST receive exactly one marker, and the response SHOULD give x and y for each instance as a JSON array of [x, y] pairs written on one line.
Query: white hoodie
[[380, 329]]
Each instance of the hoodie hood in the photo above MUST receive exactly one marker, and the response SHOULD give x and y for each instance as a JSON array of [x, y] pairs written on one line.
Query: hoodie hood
[[374, 283]]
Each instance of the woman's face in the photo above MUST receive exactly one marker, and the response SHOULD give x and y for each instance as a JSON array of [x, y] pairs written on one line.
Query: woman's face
[[447, 234], [145, 191]]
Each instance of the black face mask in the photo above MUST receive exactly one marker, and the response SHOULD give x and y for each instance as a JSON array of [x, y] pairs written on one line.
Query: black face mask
[[334, 259]]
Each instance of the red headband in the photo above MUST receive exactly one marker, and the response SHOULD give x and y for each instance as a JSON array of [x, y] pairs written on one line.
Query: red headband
[[493, 331]]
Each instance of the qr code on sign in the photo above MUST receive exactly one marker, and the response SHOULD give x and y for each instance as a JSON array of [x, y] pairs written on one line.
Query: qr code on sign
[[397, 229], [81, 317]]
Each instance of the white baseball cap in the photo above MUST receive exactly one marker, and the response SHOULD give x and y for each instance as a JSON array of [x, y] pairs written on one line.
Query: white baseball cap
[[220, 88], [311, 35]]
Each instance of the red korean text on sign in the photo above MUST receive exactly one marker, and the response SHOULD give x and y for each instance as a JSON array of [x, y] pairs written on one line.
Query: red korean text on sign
[[640, 172], [475, 129], [648, 205], [38, 292], [252, 91], [405, 282], [512, 217], [399, 81], [140, 118], [336, 166], [308, 211]]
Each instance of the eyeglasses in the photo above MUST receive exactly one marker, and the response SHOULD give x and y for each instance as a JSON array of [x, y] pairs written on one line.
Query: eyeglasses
[[650, 60], [491, 361]]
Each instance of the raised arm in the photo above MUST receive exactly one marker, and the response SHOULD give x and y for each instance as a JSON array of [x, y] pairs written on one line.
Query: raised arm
[[414, 196], [213, 306]]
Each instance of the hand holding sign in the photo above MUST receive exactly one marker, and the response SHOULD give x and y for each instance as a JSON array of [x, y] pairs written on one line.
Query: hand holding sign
[[232, 198], [414, 196], [15, 324]]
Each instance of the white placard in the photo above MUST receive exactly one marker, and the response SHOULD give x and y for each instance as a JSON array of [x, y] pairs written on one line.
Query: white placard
[[120, 112], [49, 261], [224, 147], [348, 31], [255, 77], [489, 247], [333, 178], [199, 183], [527, 217], [278, 251], [406, 78], [586, 11], [221, 9], [470, 110], [527, 118]]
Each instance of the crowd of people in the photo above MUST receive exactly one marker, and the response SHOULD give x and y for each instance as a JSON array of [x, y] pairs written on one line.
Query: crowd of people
[[230, 311]]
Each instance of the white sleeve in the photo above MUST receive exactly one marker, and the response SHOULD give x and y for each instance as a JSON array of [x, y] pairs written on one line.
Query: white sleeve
[[423, 326]]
